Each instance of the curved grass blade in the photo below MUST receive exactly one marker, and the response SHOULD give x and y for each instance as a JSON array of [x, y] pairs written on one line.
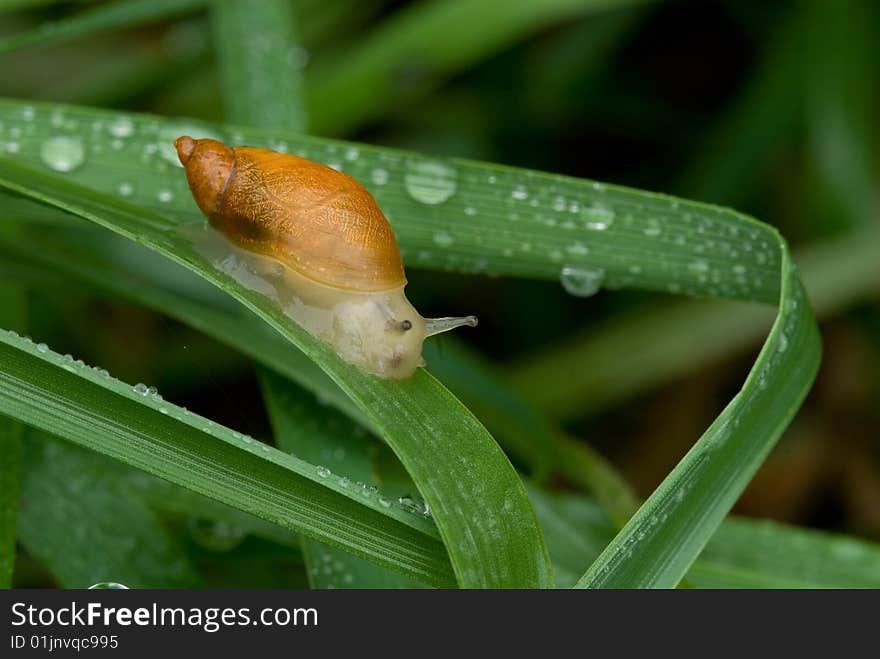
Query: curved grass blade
[[85, 526], [453, 460], [658, 545], [91, 409]]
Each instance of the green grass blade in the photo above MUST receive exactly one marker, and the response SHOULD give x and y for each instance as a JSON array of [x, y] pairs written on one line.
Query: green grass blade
[[260, 64], [113, 16], [13, 313], [63, 398], [453, 460], [321, 435], [85, 525], [658, 545]]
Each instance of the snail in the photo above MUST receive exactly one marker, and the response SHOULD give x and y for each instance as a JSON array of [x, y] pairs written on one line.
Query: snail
[[322, 239]]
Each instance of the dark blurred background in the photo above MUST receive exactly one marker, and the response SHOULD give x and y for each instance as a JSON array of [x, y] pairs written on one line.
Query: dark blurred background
[[769, 107]]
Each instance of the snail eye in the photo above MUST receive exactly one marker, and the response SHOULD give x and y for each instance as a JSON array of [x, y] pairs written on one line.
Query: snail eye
[[405, 325]]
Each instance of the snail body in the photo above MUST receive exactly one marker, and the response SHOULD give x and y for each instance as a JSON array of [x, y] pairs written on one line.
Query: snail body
[[315, 240]]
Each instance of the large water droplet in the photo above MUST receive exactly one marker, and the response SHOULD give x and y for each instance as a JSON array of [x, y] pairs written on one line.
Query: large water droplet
[[429, 181], [598, 217], [62, 153], [108, 585], [581, 281]]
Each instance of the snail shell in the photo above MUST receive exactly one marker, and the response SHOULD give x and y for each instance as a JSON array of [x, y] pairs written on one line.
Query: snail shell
[[341, 275]]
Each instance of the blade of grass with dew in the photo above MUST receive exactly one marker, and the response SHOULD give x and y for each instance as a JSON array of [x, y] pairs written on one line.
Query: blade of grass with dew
[[420, 45], [320, 435], [13, 313], [104, 18], [475, 217], [661, 541], [522, 431], [638, 351], [83, 524], [452, 458], [262, 81], [93, 410]]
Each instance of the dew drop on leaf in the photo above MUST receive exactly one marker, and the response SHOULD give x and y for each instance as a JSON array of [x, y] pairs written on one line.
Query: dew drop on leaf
[[581, 281], [430, 182], [62, 153]]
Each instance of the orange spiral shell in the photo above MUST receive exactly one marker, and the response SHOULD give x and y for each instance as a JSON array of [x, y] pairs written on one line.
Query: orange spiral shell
[[320, 222]]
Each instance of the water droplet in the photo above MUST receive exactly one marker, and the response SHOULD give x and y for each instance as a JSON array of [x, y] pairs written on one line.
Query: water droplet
[[783, 343], [152, 391], [352, 153], [581, 281], [578, 249], [122, 127], [12, 147], [345, 481], [27, 113], [125, 189], [165, 196], [63, 154], [141, 389], [384, 502], [520, 193], [598, 217], [470, 210], [379, 176], [443, 239], [108, 585], [429, 181], [42, 347], [653, 229]]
